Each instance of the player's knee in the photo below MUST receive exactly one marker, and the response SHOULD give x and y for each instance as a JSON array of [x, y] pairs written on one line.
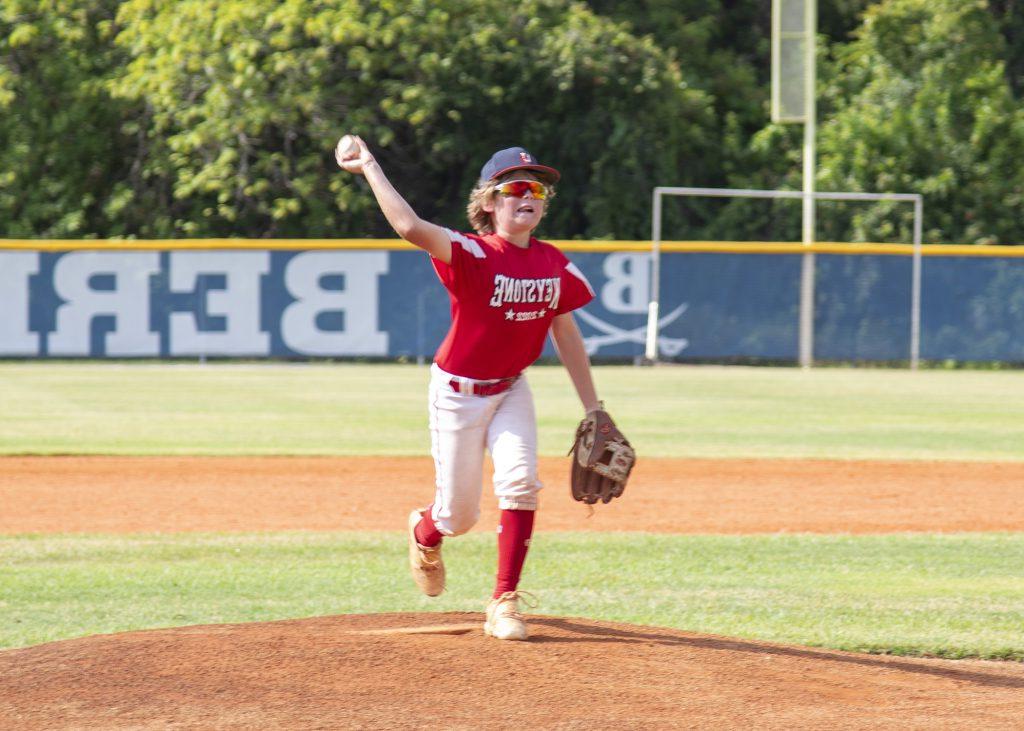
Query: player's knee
[[461, 521], [521, 486]]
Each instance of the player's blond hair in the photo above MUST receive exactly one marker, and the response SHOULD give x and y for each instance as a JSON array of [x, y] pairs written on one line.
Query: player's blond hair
[[481, 220]]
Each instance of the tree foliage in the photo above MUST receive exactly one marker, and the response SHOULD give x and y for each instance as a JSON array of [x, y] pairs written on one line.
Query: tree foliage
[[244, 100], [60, 138], [165, 118], [923, 105]]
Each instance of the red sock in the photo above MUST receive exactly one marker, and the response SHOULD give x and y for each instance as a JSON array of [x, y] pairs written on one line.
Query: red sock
[[427, 534], [514, 533]]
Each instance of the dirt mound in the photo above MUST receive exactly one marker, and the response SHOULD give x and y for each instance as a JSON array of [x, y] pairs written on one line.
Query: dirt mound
[[377, 671]]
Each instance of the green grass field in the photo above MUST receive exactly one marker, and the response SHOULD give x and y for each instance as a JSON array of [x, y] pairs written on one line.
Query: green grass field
[[952, 596], [90, 408], [956, 595]]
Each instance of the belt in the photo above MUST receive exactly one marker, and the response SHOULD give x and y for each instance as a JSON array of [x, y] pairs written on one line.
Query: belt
[[481, 388]]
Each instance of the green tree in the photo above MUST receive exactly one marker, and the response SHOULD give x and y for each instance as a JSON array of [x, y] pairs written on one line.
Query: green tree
[[723, 48], [61, 140], [924, 106], [1009, 15], [243, 100], [203, 118], [916, 101]]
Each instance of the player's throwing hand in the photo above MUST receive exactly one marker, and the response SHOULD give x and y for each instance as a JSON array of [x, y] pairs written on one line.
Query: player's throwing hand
[[353, 158]]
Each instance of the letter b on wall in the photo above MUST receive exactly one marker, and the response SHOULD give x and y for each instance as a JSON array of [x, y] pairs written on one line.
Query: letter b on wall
[[357, 300], [628, 288]]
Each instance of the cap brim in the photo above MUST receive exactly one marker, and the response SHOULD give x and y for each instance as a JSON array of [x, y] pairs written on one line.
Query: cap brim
[[553, 174]]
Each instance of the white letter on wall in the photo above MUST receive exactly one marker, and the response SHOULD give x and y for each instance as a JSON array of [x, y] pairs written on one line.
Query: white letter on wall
[[15, 337], [628, 288], [238, 302], [127, 302], [358, 301]]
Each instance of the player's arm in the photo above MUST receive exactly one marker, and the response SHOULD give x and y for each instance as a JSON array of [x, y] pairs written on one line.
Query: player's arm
[[573, 354], [428, 236]]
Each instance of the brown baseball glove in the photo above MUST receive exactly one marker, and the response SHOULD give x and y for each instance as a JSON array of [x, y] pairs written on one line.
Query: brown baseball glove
[[602, 459]]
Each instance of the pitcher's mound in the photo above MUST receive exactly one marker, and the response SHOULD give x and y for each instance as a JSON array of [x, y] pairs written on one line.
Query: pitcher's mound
[[387, 671]]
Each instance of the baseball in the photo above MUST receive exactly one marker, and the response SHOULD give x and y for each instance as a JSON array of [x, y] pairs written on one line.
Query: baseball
[[346, 146]]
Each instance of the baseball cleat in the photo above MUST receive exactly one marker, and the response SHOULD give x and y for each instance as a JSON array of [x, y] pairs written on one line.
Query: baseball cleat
[[504, 622], [425, 563]]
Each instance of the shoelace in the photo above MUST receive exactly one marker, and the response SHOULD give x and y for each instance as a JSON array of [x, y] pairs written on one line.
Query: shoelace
[[516, 596], [427, 563]]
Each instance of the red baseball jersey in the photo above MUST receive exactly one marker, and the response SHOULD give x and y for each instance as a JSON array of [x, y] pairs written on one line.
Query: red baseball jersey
[[503, 299]]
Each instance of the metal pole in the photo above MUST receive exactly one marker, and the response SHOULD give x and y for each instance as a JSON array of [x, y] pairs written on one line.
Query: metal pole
[[794, 194], [915, 296], [807, 267], [651, 352]]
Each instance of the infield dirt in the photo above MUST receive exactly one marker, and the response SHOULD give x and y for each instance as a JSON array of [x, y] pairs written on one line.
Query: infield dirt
[[167, 494], [370, 671]]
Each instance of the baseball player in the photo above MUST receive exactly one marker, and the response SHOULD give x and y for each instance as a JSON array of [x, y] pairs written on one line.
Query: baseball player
[[508, 290]]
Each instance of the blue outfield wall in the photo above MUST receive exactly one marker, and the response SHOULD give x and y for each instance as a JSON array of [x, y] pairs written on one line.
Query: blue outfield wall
[[388, 303]]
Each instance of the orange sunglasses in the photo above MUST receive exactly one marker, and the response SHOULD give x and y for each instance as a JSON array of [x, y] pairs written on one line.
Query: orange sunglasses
[[519, 189]]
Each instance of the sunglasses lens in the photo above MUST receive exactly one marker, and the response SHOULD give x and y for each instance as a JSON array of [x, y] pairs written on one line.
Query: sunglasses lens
[[520, 188]]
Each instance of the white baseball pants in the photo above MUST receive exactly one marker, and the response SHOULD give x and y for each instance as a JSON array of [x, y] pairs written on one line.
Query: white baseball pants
[[462, 426]]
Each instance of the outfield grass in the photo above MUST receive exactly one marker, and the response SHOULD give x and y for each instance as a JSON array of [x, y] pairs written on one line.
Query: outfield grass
[[944, 595], [949, 595], [117, 408]]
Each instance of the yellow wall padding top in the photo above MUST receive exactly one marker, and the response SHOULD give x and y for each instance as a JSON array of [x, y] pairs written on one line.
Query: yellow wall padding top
[[673, 247]]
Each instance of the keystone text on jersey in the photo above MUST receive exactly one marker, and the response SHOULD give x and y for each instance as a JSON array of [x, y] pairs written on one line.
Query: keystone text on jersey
[[509, 290]]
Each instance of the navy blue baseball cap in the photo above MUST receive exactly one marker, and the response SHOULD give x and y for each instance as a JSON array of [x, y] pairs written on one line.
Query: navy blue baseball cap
[[515, 158]]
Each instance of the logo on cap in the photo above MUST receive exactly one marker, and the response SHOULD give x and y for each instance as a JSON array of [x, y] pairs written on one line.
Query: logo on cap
[[525, 157]]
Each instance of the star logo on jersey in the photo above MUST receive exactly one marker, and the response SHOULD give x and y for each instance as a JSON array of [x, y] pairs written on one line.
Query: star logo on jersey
[[510, 314]]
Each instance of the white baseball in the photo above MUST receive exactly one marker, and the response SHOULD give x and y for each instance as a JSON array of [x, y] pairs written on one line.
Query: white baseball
[[346, 146]]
